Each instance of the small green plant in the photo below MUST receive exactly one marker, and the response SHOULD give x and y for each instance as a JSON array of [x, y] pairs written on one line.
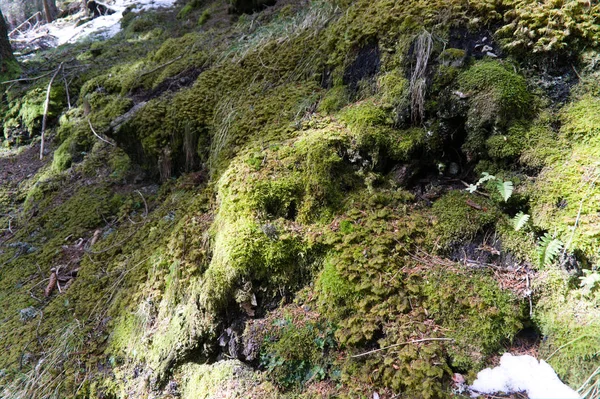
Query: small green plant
[[590, 282], [204, 17], [548, 249], [520, 220], [505, 188]]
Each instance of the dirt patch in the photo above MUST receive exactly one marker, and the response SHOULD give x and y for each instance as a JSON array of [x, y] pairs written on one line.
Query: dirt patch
[[18, 166]]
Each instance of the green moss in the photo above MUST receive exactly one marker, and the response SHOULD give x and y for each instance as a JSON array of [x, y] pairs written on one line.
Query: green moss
[[204, 17], [570, 326], [456, 220], [581, 119], [296, 352], [63, 156], [477, 313], [334, 100], [375, 135], [188, 8], [393, 89], [333, 289], [565, 194], [227, 378], [498, 96], [452, 57], [562, 27]]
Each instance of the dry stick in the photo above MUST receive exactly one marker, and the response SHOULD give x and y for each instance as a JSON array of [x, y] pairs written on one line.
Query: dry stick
[[416, 341], [67, 90], [161, 66], [97, 135], [567, 344], [46, 106], [588, 193], [25, 79]]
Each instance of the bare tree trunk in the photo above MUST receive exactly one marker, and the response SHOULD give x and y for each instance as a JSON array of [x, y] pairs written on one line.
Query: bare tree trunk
[[8, 64], [50, 10]]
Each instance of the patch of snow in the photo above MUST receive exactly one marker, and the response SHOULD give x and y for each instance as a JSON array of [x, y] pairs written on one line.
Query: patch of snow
[[522, 374], [66, 31]]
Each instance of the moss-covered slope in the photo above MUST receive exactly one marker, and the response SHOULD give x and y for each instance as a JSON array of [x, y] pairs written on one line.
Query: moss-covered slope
[[267, 199]]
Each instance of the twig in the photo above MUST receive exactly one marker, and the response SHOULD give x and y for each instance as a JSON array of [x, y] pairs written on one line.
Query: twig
[[46, 106], [97, 135], [161, 66], [416, 341], [67, 90], [567, 344], [579, 214], [167, 63]]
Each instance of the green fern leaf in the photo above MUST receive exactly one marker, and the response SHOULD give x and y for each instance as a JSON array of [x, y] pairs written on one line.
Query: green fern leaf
[[485, 176], [505, 189], [520, 220], [548, 249]]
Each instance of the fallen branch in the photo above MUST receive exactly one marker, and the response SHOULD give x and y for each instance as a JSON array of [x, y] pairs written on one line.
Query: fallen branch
[[416, 341], [99, 137], [26, 79], [46, 106], [161, 66]]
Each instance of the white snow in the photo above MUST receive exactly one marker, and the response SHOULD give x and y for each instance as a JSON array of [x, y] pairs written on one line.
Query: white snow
[[522, 373], [66, 31]]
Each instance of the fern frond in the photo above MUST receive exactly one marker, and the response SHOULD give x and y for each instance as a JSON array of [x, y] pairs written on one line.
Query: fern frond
[[520, 220], [505, 189], [548, 249]]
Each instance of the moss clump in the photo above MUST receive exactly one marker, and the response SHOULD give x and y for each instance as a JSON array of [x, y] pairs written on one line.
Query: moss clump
[[334, 100], [376, 136], [498, 96], [227, 378], [457, 217], [296, 351], [478, 314], [581, 119]]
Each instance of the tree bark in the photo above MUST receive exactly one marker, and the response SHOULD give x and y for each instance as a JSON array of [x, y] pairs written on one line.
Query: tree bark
[[50, 10], [8, 64]]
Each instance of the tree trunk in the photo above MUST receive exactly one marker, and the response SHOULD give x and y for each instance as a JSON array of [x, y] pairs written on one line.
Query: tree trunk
[[8, 64], [50, 10]]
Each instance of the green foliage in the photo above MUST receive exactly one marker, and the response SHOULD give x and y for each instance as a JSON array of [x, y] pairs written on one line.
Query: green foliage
[[204, 17], [520, 220], [548, 249], [590, 282], [504, 188], [294, 354]]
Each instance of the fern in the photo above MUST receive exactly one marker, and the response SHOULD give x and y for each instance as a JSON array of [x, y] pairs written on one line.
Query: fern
[[505, 189], [520, 220], [548, 249], [589, 282]]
